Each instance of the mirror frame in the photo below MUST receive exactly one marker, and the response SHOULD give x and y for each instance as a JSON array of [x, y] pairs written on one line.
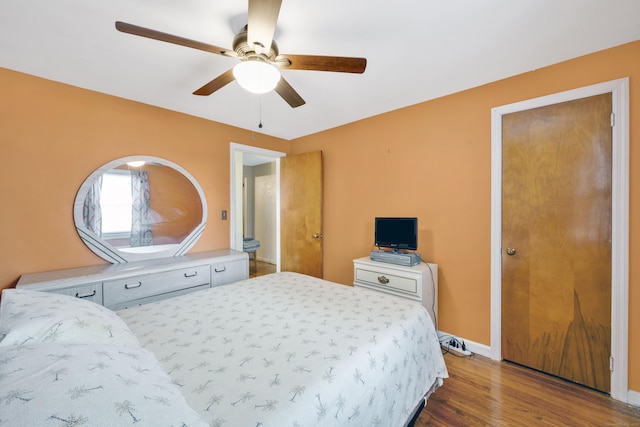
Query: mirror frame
[[110, 253]]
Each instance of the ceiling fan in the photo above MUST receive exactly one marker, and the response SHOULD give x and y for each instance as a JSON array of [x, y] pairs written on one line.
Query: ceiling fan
[[256, 49]]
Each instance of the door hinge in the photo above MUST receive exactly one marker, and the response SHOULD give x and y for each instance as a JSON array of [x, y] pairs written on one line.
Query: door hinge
[[611, 363], [613, 119]]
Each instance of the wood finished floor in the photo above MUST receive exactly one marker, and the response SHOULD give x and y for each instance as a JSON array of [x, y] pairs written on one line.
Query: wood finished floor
[[483, 392], [260, 268]]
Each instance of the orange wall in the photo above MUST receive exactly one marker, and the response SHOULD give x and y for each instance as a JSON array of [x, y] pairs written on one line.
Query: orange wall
[[52, 136], [433, 160]]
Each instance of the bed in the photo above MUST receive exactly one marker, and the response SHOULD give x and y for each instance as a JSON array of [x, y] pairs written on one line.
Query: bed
[[278, 350]]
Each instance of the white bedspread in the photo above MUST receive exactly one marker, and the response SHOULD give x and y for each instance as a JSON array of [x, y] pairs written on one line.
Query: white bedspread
[[291, 350]]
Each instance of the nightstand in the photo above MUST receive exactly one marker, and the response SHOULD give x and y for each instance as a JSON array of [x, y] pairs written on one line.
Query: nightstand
[[419, 282]]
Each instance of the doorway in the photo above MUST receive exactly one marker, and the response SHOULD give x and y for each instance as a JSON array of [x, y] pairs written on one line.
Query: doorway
[[252, 211], [619, 247]]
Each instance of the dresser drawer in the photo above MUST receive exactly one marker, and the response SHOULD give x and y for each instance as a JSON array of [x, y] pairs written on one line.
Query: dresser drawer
[[153, 298], [119, 291], [229, 272], [387, 280], [90, 292]]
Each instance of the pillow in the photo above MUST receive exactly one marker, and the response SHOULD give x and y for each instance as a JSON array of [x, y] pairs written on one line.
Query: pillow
[[30, 316], [89, 385]]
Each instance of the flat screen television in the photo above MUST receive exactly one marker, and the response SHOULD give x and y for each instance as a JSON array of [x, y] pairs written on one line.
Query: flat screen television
[[396, 233]]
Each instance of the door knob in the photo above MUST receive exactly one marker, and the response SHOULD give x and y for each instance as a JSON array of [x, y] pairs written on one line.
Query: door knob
[[511, 251], [316, 236]]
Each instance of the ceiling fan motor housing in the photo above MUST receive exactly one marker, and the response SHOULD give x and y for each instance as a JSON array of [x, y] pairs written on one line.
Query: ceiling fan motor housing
[[244, 50]]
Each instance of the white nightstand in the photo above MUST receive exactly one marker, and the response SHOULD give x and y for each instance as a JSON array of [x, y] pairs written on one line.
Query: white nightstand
[[419, 282]]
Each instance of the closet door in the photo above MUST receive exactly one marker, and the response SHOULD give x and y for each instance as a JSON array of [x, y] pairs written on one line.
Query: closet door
[[556, 240]]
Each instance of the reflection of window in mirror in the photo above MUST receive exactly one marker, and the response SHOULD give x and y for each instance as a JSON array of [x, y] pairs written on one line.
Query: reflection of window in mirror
[[115, 202]]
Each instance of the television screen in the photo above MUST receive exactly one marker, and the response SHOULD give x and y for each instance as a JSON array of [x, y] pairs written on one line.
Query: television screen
[[396, 233]]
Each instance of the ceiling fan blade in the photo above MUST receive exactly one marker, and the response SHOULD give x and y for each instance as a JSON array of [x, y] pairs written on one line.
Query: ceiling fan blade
[[288, 93], [217, 83], [261, 25], [338, 64], [169, 38]]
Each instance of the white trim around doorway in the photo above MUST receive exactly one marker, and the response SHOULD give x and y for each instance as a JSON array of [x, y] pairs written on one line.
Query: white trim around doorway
[[620, 222]]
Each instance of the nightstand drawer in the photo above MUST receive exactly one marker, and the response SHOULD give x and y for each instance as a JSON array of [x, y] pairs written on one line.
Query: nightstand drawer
[[116, 292], [377, 278]]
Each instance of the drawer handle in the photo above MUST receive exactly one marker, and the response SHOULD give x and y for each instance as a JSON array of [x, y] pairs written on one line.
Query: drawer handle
[[220, 271], [383, 280], [194, 274], [135, 285], [87, 295]]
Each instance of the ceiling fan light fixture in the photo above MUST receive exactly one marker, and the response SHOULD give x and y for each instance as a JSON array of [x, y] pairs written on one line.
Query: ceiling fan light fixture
[[256, 76]]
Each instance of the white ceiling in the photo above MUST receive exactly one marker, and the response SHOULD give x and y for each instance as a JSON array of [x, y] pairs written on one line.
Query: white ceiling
[[416, 50]]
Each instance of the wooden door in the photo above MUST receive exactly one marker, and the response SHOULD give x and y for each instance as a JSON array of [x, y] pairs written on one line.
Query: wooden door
[[301, 213], [556, 239]]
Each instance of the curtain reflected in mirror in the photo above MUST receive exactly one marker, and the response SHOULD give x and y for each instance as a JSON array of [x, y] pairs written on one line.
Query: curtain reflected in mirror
[[92, 209], [141, 234], [133, 211]]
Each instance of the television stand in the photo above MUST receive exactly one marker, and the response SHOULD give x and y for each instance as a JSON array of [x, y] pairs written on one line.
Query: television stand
[[419, 283]]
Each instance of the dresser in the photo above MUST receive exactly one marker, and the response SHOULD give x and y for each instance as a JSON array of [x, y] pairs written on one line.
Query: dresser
[[118, 286], [419, 283]]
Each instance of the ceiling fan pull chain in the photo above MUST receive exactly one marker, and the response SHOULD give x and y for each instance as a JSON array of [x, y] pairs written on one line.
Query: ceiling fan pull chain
[[260, 107]]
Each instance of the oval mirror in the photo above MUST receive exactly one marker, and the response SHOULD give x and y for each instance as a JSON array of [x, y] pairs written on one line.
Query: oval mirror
[[139, 207]]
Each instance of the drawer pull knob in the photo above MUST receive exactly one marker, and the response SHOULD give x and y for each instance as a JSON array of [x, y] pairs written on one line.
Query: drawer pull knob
[[135, 285], [86, 295], [194, 274], [383, 280], [220, 271]]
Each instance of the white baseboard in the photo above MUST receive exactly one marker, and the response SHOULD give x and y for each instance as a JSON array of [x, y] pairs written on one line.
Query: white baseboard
[[633, 398], [473, 347]]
